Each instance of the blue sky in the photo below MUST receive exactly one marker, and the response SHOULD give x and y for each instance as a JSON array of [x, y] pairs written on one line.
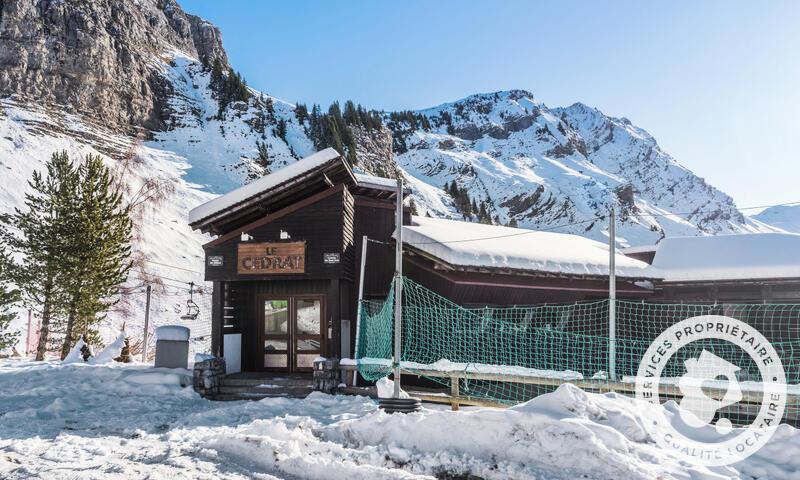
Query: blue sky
[[717, 83]]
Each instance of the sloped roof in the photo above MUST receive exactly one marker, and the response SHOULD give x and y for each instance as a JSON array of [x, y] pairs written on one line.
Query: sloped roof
[[261, 185], [477, 245], [729, 257]]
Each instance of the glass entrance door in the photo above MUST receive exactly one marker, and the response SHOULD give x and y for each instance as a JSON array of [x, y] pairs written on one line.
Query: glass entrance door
[[276, 334], [292, 332], [308, 332]]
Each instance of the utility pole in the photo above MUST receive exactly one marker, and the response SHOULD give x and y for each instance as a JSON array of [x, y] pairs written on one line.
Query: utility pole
[[28, 336], [612, 296], [146, 324], [364, 241], [398, 287]]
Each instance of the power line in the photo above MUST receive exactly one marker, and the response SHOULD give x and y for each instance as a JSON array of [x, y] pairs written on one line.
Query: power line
[[174, 266]]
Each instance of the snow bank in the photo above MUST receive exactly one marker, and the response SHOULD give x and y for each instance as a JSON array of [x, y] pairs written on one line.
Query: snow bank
[[75, 355], [729, 257], [516, 248], [95, 421], [110, 352], [445, 366]]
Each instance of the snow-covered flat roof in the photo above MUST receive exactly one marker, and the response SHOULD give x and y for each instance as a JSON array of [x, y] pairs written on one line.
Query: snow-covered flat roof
[[729, 257], [262, 184], [379, 183], [515, 248]]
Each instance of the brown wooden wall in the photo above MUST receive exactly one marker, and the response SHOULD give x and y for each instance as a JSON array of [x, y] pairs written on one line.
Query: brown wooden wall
[[326, 225], [480, 289], [754, 291]]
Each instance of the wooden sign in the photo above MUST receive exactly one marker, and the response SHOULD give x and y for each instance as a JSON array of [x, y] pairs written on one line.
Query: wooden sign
[[269, 258]]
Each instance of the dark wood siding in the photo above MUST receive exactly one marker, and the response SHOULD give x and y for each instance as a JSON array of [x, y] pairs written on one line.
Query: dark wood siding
[[322, 225], [479, 289]]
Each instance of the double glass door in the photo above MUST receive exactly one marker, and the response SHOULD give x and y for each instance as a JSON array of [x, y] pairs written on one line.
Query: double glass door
[[292, 332]]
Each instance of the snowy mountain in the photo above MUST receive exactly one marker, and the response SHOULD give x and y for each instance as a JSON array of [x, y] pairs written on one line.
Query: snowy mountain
[[785, 217], [135, 81], [539, 167]]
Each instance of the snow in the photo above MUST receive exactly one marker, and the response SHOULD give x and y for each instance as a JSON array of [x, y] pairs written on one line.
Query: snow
[[132, 421], [372, 181], [263, 184], [75, 355], [444, 365], [729, 257], [111, 352], [172, 332], [516, 248], [785, 217]]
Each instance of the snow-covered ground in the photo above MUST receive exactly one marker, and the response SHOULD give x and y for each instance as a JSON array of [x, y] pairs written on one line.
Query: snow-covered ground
[[115, 421]]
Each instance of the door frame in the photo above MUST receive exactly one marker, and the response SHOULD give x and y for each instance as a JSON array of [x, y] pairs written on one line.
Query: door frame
[[291, 330]]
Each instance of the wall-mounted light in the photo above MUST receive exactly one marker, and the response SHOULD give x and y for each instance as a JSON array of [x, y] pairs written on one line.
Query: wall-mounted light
[[285, 235], [246, 237]]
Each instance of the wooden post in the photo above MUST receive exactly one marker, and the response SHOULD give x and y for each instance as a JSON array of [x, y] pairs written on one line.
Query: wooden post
[[398, 288], [146, 325], [364, 241], [612, 296], [454, 393]]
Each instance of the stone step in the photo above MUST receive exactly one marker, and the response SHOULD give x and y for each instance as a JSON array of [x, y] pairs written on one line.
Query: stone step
[[279, 381], [229, 397], [266, 390]]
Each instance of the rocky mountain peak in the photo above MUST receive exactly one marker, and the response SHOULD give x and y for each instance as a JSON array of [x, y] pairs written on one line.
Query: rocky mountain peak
[[100, 58]]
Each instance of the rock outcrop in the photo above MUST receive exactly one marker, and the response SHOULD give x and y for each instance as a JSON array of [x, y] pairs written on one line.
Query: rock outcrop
[[99, 58]]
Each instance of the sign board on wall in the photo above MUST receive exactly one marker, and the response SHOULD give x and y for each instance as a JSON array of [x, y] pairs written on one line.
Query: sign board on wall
[[330, 258], [271, 258], [215, 260]]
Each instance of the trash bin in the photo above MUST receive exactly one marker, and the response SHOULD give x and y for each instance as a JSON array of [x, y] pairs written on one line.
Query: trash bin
[[172, 346]]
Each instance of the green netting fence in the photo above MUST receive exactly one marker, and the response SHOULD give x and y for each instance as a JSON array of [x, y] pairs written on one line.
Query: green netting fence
[[508, 355]]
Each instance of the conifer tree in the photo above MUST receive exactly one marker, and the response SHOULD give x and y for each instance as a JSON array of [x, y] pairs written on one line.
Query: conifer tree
[[43, 241], [98, 253], [263, 156], [8, 298]]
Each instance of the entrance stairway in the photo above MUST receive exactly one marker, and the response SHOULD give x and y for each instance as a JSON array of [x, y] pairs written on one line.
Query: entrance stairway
[[255, 386]]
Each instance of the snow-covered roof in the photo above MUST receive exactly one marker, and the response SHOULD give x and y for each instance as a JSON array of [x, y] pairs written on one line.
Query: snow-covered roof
[[479, 245], [380, 183], [640, 249], [729, 257], [262, 184]]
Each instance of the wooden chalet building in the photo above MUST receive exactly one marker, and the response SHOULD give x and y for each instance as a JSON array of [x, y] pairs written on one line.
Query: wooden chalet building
[[285, 262], [740, 268]]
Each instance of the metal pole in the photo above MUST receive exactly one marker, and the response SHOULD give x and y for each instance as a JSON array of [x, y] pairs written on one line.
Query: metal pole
[[364, 241], [398, 287], [28, 336], [146, 325], [612, 296]]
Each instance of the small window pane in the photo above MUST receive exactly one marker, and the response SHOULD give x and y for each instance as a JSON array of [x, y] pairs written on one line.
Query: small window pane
[[308, 317], [272, 345], [276, 317], [307, 344]]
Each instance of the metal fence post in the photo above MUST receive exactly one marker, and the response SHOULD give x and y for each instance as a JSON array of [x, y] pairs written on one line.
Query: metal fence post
[[146, 324], [612, 297]]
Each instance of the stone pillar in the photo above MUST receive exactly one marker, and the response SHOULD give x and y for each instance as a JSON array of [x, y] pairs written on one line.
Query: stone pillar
[[326, 374], [207, 376]]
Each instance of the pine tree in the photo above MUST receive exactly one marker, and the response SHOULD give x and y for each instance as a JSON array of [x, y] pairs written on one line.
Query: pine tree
[[7, 299], [98, 256], [44, 241], [263, 156], [280, 129]]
